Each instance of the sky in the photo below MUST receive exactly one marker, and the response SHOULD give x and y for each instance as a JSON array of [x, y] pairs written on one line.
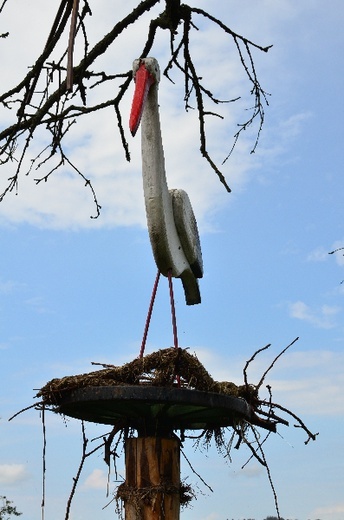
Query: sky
[[75, 290]]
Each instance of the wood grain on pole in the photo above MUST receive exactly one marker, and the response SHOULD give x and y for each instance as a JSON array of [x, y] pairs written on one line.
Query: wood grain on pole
[[153, 473]]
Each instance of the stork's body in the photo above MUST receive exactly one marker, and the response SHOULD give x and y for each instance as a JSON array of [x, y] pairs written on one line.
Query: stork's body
[[171, 223]]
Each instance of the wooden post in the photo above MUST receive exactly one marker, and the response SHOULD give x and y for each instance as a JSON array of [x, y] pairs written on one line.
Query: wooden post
[[152, 479]]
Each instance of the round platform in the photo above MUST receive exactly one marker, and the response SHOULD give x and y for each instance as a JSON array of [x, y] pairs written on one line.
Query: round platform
[[151, 410]]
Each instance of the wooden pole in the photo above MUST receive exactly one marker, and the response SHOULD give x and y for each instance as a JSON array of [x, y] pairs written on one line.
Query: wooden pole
[[152, 479]]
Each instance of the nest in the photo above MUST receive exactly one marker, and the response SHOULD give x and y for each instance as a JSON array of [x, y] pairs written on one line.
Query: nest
[[169, 368], [164, 368], [148, 495]]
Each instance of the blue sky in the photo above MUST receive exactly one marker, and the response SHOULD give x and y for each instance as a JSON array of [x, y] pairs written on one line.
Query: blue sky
[[75, 290]]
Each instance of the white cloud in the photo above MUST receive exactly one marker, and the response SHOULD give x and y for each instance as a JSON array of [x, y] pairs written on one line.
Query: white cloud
[[309, 395], [9, 286], [292, 126], [96, 480], [250, 471], [12, 474], [319, 254], [334, 512], [307, 382], [338, 251], [212, 516], [323, 317], [37, 304]]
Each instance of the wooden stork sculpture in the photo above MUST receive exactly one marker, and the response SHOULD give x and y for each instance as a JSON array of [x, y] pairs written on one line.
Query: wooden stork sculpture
[[171, 222]]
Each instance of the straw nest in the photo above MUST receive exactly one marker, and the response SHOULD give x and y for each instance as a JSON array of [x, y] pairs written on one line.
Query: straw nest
[[162, 368], [138, 497]]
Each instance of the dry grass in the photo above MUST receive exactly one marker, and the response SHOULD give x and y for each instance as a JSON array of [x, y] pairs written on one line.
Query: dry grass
[[159, 368]]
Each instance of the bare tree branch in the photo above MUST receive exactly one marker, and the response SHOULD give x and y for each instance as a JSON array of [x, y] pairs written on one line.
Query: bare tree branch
[[56, 108]]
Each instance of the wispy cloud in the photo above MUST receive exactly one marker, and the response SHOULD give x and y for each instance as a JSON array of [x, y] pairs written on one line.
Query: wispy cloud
[[298, 380], [96, 480], [292, 126], [9, 286], [248, 471], [337, 249], [332, 512], [319, 254], [301, 379], [323, 317], [212, 516], [37, 304], [12, 474]]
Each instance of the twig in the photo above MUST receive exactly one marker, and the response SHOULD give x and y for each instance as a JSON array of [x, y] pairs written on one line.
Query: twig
[[311, 436], [274, 361], [268, 473], [195, 472], [251, 359], [25, 409]]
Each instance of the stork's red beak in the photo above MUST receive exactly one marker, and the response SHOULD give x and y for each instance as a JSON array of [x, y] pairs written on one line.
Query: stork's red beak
[[143, 81]]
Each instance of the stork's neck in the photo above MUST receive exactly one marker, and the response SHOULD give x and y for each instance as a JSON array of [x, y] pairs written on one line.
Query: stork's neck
[[153, 161], [167, 249]]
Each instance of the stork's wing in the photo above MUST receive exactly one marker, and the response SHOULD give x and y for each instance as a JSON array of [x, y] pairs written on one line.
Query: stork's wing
[[187, 230]]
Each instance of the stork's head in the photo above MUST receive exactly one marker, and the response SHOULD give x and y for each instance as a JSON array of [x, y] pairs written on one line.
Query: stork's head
[[146, 72]]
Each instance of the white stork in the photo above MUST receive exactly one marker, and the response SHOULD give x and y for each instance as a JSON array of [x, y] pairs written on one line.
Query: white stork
[[171, 222]]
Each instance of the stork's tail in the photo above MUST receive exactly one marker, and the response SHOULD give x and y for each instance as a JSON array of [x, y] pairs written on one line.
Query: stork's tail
[[191, 287]]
